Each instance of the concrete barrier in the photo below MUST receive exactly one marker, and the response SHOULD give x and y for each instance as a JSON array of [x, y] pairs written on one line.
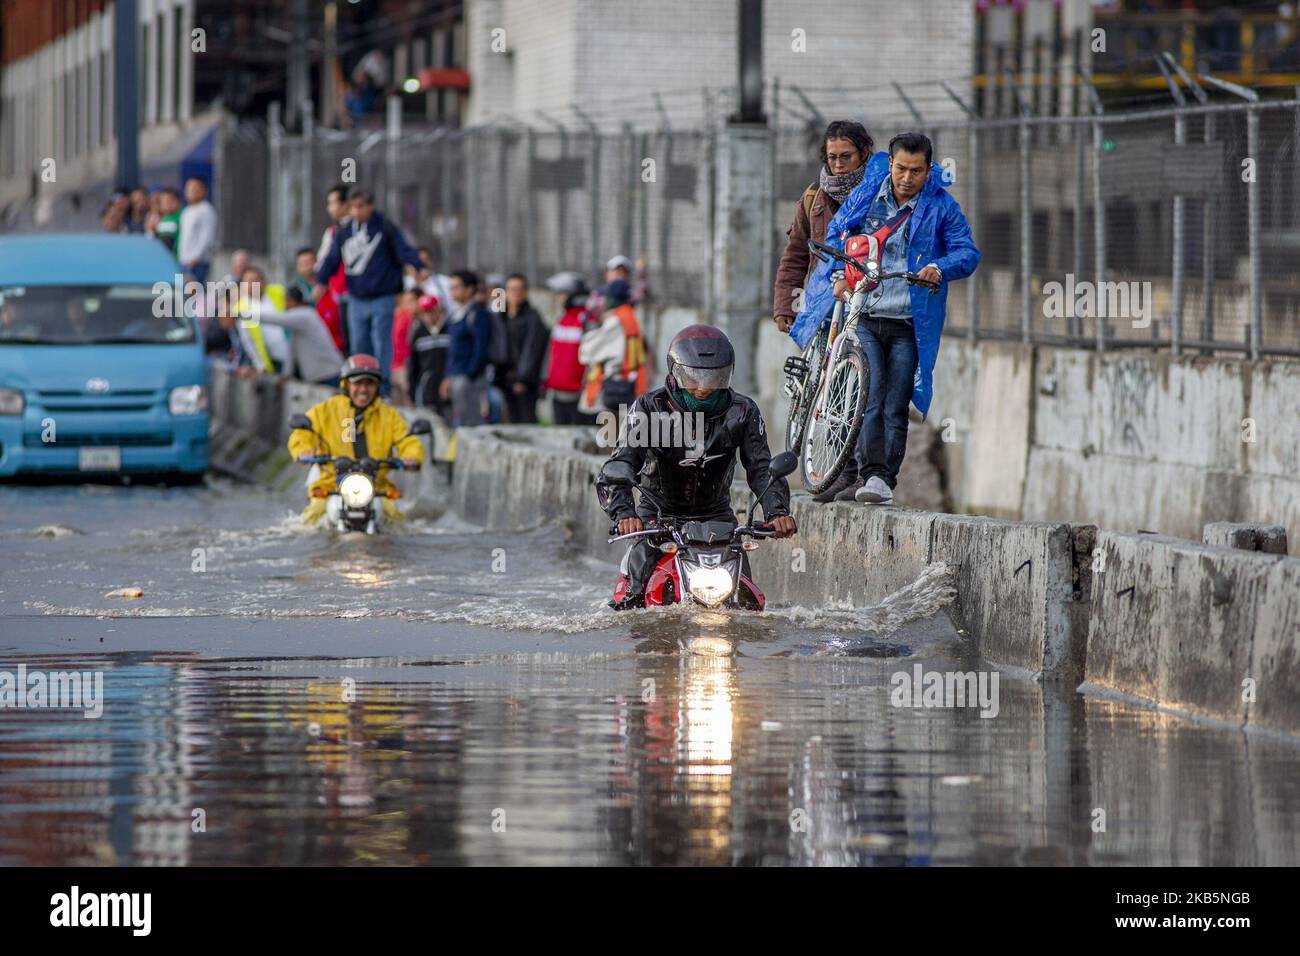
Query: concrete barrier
[[1126, 440], [1197, 629], [1016, 580], [1271, 538]]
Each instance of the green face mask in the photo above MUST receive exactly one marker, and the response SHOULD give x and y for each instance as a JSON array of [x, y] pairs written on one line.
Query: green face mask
[[718, 400]]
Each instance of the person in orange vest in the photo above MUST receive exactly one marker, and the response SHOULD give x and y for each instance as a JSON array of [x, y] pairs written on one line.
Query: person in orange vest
[[614, 354]]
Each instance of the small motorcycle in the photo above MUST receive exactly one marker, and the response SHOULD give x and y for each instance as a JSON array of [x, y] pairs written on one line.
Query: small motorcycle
[[703, 561], [352, 505]]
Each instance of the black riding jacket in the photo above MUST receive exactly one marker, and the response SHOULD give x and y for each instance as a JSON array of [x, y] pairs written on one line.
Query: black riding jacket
[[702, 488]]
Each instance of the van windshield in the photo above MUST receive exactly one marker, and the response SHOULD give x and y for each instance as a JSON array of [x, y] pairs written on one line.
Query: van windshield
[[87, 315]]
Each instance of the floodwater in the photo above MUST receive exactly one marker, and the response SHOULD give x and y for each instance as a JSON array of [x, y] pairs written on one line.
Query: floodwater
[[447, 695]]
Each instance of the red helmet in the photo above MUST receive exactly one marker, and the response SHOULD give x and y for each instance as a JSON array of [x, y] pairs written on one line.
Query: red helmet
[[361, 366], [428, 302]]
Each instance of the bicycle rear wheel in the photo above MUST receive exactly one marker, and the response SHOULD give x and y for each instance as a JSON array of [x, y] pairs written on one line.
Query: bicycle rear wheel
[[834, 421], [803, 393]]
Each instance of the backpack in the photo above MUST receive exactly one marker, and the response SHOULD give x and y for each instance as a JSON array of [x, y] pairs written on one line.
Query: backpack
[[809, 195]]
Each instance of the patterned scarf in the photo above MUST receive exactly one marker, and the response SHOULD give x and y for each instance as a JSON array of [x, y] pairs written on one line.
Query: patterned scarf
[[839, 187]]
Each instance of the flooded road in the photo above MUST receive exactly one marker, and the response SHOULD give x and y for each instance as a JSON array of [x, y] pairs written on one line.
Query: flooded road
[[445, 695]]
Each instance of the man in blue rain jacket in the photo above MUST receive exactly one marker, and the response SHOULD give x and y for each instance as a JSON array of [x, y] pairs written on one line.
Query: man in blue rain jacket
[[900, 334]]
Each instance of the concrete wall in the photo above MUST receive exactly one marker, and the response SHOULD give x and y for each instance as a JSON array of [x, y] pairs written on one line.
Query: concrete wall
[[1132, 442]]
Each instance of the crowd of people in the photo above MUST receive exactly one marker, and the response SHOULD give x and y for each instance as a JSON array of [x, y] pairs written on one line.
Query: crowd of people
[[475, 349]]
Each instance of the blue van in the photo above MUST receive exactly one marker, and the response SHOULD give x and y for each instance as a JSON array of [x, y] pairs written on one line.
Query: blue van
[[93, 379]]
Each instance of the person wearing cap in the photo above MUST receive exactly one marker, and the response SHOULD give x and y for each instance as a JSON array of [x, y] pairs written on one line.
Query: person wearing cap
[[426, 365], [620, 267], [613, 353], [565, 373], [681, 482], [356, 423]]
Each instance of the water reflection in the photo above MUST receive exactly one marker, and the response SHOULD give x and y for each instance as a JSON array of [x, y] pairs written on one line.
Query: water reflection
[[699, 756]]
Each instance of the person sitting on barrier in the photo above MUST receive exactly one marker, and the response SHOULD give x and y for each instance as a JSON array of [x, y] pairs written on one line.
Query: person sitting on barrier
[[356, 423], [687, 477]]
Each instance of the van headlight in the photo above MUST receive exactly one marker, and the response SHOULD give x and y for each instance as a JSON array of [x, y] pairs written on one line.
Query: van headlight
[[187, 400], [356, 490], [11, 401], [709, 586]]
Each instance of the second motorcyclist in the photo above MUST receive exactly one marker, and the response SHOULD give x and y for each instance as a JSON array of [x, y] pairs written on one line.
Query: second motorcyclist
[[691, 480], [358, 424]]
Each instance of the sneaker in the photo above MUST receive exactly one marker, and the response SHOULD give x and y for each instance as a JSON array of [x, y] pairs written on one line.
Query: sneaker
[[837, 486], [850, 493], [875, 492]]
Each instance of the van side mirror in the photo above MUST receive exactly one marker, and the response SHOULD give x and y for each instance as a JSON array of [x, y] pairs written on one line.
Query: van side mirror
[[300, 421]]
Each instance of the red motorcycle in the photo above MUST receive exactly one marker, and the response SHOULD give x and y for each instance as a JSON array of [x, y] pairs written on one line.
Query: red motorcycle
[[703, 562]]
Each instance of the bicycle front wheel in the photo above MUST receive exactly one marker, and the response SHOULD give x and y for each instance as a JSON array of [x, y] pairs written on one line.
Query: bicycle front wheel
[[834, 422]]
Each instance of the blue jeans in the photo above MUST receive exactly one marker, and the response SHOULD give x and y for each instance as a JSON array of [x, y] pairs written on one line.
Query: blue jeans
[[370, 329], [890, 348]]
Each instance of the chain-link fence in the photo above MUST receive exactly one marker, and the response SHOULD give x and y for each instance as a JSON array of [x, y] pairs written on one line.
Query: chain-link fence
[[1175, 228]]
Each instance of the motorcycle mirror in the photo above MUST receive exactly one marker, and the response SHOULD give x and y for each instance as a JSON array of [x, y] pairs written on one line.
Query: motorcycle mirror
[[300, 421], [618, 473], [783, 464], [421, 426]]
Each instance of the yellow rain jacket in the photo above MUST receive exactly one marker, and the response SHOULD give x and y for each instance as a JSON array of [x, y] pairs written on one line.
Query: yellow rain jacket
[[332, 420]]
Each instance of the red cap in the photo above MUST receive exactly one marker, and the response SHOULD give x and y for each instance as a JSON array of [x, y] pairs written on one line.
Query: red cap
[[428, 302]]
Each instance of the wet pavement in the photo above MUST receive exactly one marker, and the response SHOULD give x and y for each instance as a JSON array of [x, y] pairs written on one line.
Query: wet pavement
[[445, 695]]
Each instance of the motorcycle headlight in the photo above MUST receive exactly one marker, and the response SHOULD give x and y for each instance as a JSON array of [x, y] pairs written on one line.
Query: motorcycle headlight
[[709, 586], [187, 400], [11, 401], [356, 490]]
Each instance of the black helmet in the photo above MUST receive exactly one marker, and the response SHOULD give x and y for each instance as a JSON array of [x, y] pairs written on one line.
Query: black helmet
[[700, 356]]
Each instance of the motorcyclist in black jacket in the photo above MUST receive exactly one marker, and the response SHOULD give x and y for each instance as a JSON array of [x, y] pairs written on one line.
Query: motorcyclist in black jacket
[[690, 480]]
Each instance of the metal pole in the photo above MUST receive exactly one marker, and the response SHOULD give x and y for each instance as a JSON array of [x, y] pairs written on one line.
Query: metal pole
[[126, 105], [1098, 225], [1026, 233], [1180, 214], [275, 212], [749, 58], [393, 116], [530, 203], [1252, 206], [1075, 323], [1208, 260]]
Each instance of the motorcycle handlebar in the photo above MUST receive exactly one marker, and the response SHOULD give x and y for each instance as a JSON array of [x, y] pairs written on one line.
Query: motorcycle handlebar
[[666, 532], [330, 459]]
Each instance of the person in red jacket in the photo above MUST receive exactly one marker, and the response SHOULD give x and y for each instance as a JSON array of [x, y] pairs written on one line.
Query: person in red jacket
[[565, 378]]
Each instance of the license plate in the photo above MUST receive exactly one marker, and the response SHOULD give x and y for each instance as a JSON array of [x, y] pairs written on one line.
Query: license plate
[[100, 459]]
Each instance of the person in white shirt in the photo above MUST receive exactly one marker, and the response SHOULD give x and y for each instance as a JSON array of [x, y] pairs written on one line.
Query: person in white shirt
[[198, 235]]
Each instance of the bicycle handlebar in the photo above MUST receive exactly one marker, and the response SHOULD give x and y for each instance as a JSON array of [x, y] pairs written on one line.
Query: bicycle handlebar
[[825, 252]]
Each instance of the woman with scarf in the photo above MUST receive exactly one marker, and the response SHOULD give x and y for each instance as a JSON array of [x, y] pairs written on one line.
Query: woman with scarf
[[846, 147]]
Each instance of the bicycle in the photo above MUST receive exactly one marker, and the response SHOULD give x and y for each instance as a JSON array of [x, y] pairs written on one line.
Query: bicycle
[[823, 431]]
